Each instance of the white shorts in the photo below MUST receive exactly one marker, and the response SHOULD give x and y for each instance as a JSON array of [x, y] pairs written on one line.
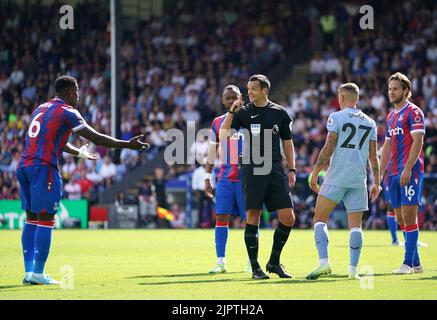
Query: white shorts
[[354, 199]]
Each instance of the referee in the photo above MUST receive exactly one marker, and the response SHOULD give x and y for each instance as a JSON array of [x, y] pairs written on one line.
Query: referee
[[265, 124]]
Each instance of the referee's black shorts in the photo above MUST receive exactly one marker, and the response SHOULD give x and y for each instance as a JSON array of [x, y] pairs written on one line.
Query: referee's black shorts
[[272, 189]]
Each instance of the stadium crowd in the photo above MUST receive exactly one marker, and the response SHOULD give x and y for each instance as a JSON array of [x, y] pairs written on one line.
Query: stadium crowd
[[403, 42], [169, 75], [173, 75]]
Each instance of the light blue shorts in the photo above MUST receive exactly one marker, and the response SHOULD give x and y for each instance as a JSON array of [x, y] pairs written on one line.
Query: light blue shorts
[[354, 199]]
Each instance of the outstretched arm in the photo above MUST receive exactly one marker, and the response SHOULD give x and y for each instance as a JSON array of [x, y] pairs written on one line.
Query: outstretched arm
[[324, 158], [69, 148], [109, 142]]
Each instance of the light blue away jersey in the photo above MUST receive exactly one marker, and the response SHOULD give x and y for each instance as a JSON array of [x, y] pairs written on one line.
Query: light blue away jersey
[[348, 163]]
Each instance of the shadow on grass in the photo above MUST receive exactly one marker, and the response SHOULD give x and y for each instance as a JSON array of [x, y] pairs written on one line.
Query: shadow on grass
[[377, 275], [323, 279], [328, 278], [271, 281], [194, 281], [11, 287], [368, 246], [181, 275], [426, 278]]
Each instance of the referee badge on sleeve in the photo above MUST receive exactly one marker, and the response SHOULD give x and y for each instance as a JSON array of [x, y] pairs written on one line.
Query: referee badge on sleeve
[[275, 129], [255, 128]]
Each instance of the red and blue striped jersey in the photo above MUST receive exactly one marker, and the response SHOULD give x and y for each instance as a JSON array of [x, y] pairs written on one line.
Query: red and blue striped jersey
[[50, 128], [229, 151], [400, 125]]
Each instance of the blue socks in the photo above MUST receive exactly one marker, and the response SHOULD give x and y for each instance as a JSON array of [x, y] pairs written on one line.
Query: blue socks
[[43, 239], [355, 243], [27, 242], [392, 226], [411, 234], [321, 238], [221, 238]]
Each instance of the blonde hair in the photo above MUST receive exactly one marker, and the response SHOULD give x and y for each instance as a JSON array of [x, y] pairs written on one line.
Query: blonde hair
[[351, 88], [403, 79]]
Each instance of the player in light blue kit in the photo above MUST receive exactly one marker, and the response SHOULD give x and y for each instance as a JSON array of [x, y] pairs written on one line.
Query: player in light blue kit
[[351, 141]]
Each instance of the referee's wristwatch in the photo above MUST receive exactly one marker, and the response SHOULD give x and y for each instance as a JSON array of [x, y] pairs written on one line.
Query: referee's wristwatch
[[292, 170]]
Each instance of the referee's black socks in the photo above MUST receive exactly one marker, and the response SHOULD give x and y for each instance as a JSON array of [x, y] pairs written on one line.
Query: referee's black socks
[[279, 239], [251, 240]]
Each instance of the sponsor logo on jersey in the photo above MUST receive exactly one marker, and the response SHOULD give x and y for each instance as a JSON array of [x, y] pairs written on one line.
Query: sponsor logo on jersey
[[396, 131], [237, 135]]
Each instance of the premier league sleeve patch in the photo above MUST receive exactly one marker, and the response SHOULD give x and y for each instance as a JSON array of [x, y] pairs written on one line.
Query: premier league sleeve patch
[[255, 129]]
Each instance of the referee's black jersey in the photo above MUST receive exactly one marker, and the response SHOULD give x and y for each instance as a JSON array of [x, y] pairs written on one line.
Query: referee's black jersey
[[258, 119]]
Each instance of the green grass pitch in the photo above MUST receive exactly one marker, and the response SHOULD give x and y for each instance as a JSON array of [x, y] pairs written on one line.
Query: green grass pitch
[[173, 264]]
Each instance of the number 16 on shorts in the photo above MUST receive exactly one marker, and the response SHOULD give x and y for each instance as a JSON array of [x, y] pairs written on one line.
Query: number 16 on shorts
[[408, 195]]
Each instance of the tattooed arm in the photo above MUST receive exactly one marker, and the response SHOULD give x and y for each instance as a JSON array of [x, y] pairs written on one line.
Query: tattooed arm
[[374, 164], [324, 158]]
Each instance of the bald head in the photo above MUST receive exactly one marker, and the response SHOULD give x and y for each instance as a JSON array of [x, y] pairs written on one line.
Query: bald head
[[348, 95]]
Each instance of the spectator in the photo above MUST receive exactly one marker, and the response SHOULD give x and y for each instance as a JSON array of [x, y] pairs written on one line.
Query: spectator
[[108, 169], [73, 189], [203, 203], [317, 65], [69, 167], [121, 199], [158, 188], [85, 184], [5, 194], [378, 101], [179, 217]]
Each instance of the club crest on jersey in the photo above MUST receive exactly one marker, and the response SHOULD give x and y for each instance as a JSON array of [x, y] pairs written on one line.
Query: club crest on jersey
[[416, 180], [275, 129], [255, 128]]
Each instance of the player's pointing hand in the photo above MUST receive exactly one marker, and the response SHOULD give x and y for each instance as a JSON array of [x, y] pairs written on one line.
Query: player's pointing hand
[[237, 104], [136, 144]]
